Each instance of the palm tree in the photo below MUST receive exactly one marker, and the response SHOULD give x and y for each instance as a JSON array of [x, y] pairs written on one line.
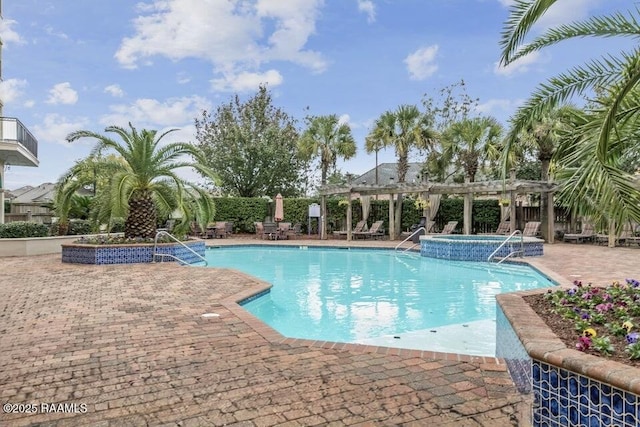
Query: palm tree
[[470, 143], [380, 136], [327, 138], [596, 146], [142, 180], [405, 128]]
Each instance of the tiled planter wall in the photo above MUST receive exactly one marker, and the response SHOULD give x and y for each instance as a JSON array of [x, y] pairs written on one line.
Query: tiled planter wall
[[129, 254], [570, 388], [474, 250]]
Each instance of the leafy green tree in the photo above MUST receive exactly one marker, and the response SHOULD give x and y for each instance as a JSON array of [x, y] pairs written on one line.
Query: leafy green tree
[[595, 182], [471, 143], [143, 180], [252, 147]]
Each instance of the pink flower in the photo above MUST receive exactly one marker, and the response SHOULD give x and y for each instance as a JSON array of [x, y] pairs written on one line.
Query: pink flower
[[583, 343]]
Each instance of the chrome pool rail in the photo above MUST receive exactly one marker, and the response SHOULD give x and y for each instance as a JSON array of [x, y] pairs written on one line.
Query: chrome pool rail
[[410, 236], [521, 251], [175, 239]]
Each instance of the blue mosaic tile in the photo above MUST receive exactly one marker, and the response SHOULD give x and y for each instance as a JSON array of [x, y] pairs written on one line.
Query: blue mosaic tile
[[104, 255], [475, 250]]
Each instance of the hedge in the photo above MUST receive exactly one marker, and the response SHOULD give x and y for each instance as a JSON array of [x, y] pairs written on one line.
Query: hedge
[[244, 212], [21, 229]]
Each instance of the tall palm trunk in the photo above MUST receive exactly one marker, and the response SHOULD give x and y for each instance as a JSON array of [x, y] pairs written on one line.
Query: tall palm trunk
[[403, 167], [142, 218]]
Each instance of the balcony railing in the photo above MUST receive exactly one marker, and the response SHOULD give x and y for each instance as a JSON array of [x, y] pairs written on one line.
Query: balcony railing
[[13, 130]]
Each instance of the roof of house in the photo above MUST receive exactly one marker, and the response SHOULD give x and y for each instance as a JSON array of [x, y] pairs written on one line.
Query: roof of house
[[43, 193], [386, 171]]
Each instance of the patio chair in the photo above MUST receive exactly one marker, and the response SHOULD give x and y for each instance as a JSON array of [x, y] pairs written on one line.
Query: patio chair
[[259, 229], [270, 230], [296, 229], [531, 229], [585, 234], [357, 229], [195, 230], [375, 231], [283, 230]]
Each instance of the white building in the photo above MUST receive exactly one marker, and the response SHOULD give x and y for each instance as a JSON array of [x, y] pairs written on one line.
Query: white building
[[18, 147]]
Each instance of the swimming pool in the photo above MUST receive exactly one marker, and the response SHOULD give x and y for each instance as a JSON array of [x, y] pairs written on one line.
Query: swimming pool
[[378, 297]]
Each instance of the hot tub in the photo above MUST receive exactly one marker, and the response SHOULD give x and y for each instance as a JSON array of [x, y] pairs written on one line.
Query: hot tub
[[476, 248]]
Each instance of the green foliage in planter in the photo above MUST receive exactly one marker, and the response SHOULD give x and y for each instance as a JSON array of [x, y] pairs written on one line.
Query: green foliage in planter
[[485, 213], [21, 229], [80, 226], [117, 225]]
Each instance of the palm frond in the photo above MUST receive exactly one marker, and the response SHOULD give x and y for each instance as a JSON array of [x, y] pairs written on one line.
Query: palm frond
[[523, 14], [615, 25]]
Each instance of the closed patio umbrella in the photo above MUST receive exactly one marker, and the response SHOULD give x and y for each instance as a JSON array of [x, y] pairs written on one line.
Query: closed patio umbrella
[[279, 213]]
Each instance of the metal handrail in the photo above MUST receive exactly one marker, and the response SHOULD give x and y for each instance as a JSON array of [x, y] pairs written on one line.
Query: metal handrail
[[506, 241], [410, 236], [166, 233]]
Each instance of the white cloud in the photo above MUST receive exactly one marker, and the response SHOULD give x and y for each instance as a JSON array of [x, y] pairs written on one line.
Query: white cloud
[[29, 103], [369, 8], [62, 93], [155, 114], [500, 106], [246, 81], [520, 65], [421, 63], [183, 78], [235, 36], [55, 128], [11, 89], [344, 119], [114, 90], [7, 34]]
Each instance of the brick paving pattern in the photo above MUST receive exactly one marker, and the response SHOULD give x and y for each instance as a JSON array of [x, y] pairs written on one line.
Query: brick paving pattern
[[131, 344]]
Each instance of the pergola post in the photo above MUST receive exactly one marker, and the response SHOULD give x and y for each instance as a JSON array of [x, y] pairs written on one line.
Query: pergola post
[[392, 220], [349, 219], [467, 210], [551, 218], [512, 211], [612, 234]]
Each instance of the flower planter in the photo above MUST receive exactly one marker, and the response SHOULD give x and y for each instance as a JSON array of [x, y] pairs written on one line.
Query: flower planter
[[130, 253], [569, 387]]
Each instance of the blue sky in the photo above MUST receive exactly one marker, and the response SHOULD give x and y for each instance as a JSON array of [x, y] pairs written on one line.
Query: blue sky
[[157, 63]]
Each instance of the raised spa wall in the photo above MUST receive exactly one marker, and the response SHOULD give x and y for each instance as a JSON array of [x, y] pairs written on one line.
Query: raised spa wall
[[130, 254], [570, 388], [476, 248]]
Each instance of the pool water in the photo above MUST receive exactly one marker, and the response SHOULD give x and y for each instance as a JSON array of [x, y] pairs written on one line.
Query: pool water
[[378, 297]]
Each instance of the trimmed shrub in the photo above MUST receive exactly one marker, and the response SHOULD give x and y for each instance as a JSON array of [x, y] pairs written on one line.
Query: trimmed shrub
[[20, 229], [79, 226]]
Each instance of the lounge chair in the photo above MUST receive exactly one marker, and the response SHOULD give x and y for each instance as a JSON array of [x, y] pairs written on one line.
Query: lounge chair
[[449, 228], [531, 229], [504, 228], [375, 231], [357, 229], [585, 234]]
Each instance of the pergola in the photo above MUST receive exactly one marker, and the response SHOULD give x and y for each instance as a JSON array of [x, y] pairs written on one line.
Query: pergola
[[509, 188]]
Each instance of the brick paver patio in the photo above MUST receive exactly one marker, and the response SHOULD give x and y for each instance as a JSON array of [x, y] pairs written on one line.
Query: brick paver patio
[[127, 345]]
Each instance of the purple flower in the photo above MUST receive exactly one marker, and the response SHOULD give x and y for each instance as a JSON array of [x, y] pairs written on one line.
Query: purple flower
[[633, 282], [633, 337], [572, 291], [585, 315]]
